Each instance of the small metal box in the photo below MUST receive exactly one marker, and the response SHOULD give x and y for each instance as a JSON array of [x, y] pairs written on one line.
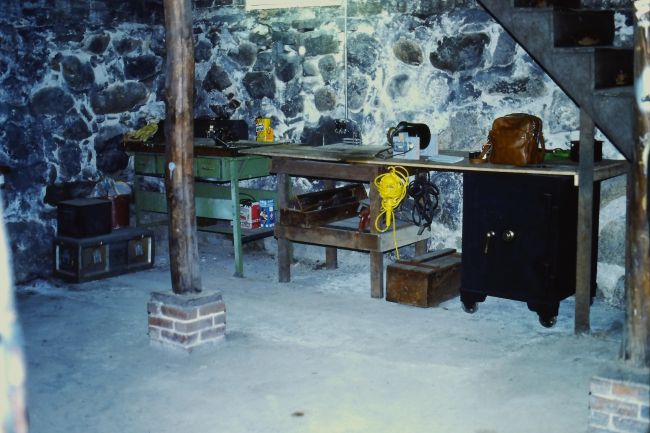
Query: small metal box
[[84, 217], [124, 250]]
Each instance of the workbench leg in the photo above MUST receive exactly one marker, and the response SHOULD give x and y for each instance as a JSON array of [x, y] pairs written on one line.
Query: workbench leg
[[331, 255], [376, 258], [585, 221], [377, 275], [284, 247], [236, 223], [421, 247]]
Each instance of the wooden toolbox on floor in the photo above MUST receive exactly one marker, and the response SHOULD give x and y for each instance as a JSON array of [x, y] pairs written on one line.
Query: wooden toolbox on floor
[[124, 250], [426, 280]]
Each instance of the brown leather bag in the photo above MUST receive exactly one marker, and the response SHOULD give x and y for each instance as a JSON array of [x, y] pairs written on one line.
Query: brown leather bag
[[517, 139]]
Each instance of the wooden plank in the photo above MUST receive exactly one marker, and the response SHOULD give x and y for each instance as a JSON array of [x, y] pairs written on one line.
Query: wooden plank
[[324, 170], [234, 149], [636, 333], [376, 257], [329, 197], [335, 237], [406, 235], [284, 250], [331, 152], [286, 157], [585, 219], [292, 217], [236, 221], [179, 132], [331, 254]]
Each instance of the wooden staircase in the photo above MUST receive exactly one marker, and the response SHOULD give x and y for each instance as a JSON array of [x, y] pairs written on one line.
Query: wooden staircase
[[574, 46]]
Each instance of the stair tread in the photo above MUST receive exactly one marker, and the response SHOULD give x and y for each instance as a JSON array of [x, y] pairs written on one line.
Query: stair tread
[[590, 48], [622, 91]]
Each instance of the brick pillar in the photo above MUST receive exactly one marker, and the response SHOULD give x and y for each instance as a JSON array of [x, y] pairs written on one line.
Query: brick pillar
[[186, 321], [619, 402]]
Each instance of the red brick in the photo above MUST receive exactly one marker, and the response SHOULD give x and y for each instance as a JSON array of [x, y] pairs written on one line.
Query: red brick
[[593, 429], [213, 308], [213, 333], [154, 333], [601, 386], [614, 407], [629, 425], [631, 392], [179, 313], [599, 419], [196, 325], [219, 319], [160, 322], [153, 308], [183, 339]]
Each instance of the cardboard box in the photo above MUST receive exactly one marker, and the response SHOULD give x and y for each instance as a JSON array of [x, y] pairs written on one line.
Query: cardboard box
[[249, 215]]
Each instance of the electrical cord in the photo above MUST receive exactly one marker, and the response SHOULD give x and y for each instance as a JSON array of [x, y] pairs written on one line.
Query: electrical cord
[[426, 199], [392, 189]]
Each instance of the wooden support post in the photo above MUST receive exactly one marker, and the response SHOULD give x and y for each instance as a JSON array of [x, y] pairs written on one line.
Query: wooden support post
[[421, 246], [179, 133], [585, 221], [636, 335], [236, 222], [284, 247], [331, 256], [376, 258]]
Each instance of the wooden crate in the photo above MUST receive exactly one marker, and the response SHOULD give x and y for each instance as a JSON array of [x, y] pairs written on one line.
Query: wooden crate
[[321, 207], [426, 280]]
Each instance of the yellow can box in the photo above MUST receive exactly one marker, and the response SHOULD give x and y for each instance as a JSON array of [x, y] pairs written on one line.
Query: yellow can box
[[263, 130]]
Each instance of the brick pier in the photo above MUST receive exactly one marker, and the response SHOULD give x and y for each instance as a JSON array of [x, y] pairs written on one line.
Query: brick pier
[[619, 402], [186, 321]]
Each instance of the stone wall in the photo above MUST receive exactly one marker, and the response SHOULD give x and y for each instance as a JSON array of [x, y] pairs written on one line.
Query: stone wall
[[77, 74]]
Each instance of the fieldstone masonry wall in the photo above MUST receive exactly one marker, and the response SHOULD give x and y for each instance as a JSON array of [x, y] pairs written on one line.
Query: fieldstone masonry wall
[[76, 74], [620, 404], [186, 321]]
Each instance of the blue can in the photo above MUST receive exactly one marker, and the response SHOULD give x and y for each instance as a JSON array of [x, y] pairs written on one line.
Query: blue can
[[267, 213]]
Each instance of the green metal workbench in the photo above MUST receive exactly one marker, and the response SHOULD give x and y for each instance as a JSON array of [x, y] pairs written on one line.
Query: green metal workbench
[[217, 193]]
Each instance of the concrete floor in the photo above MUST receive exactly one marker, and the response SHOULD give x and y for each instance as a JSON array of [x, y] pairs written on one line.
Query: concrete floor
[[314, 355]]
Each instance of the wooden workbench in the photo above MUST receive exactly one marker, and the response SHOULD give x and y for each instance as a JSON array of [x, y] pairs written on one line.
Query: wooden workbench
[[362, 163], [215, 202]]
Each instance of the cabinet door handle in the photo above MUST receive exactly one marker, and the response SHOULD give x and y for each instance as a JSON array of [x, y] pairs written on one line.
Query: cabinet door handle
[[488, 236], [508, 236]]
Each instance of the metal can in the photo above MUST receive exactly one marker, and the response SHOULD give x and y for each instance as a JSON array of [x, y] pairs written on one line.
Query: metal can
[[263, 130], [267, 213]]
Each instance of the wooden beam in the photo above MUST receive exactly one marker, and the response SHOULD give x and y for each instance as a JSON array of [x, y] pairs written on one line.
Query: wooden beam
[[284, 247], [636, 335], [585, 221], [179, 133], [331, 256]]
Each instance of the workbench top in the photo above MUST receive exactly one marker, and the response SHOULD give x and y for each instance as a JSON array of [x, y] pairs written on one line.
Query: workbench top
[[369, 155]]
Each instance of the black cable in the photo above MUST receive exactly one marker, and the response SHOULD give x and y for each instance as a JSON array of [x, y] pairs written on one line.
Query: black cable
[[426, 196]]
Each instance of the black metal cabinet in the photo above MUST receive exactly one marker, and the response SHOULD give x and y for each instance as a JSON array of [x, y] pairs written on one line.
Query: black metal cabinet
[[519, 240]]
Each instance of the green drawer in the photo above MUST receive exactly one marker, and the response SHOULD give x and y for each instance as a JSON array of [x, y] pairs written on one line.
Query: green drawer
[[160, 164], [144, 163], [249, 167], [210, 168]]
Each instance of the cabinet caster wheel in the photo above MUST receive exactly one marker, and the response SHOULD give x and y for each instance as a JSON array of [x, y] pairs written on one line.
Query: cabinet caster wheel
[[547, 322], [470, 307]]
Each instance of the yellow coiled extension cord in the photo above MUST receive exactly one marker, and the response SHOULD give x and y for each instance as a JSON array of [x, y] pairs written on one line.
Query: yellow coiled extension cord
[[392, 189]]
